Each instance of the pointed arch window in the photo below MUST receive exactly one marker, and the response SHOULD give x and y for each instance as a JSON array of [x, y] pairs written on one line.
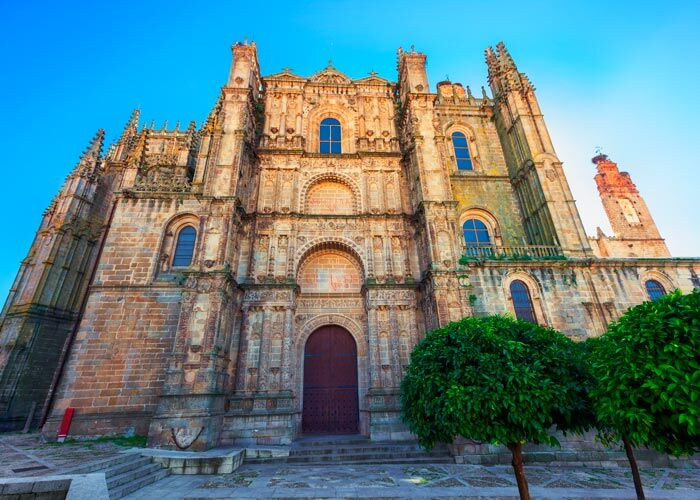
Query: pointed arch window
[[330, 136], [522, 301], [461, 149], [655, 290], [184, 249]]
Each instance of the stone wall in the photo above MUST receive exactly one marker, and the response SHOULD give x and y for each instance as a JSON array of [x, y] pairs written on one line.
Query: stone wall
[[579, 297]]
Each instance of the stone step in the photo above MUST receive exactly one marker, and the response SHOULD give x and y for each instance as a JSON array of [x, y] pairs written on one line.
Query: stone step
[[132, 475], [321, 441], [340, 458], [130, 487], [102, 464], [372, 461], [364, 449], [368, 451], [124, 473], [138, 462]]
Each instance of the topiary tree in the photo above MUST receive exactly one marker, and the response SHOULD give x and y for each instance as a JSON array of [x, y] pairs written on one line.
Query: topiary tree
[[647, 378], [495, 380]]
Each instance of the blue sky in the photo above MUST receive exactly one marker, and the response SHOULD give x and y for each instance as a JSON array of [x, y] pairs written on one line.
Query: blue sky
[[619, 75]]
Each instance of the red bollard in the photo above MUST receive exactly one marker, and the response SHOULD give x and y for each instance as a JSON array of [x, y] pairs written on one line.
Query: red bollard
[[65, 424]]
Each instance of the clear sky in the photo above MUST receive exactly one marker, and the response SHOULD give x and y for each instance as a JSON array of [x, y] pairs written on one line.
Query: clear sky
[[620, 75]]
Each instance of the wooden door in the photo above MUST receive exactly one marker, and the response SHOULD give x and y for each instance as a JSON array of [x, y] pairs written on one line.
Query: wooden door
[[330, 382]]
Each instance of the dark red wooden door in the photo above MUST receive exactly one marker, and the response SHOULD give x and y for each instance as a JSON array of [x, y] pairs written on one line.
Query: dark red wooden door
[[330, 382]]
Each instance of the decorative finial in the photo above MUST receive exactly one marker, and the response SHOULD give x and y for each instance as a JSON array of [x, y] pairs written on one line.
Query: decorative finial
[[372, 73], [469, 92], [165, 125], [177, 125], [483, 93], [286, 70], [245, 41], [330, 63], [413, 48], [447, 77]]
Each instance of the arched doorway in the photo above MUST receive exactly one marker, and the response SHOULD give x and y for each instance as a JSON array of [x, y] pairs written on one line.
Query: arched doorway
[[330, 382]]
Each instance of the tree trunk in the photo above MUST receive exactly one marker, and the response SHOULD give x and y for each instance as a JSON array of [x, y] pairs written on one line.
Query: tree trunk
[[517, 450], [635, 471]]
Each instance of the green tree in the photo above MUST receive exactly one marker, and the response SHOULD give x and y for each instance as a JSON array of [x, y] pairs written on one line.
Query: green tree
[[647, 378], [496, 380]]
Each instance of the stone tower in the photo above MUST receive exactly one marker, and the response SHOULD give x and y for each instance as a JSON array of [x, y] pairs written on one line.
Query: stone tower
[[634, 231], [549, 211], [47, 296]]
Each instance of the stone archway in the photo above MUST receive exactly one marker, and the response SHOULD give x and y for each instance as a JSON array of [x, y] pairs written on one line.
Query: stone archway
[[330, 396]]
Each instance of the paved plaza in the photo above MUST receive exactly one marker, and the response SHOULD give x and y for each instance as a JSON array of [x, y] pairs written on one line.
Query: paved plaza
[[422, 481], [28, 455], [23, 455]]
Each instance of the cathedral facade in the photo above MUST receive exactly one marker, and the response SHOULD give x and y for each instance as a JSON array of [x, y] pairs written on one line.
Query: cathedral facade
[[266, 275]]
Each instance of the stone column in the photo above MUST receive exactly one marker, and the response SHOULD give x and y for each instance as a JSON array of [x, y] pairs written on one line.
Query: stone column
[[388, 256], [413, 327], [264, 352], [394, 343], [287, 346], [242, 361], [374, 368]]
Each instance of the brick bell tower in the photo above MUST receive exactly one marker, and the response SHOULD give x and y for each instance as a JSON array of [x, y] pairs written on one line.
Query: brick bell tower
[[635, 232]]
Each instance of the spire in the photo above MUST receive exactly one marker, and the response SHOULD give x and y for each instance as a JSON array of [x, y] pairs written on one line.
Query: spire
[[212, 119], [90, 159], [132, 124], [503, 72], [137, 154], [491, 62], [190, 133], [504, 57]]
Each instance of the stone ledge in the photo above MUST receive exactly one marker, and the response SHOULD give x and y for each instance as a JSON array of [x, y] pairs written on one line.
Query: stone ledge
[[215, 461], [268, 452], [71, 487]]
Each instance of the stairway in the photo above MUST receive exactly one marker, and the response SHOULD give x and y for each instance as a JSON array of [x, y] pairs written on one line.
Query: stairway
[[125, 473], [318, 450]]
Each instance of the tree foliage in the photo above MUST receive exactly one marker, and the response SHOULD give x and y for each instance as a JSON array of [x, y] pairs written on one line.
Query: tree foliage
[[495, 380], [647, 372]]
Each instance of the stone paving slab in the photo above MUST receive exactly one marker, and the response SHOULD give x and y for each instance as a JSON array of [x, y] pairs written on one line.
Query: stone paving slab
[[26, 455], [422, 481]]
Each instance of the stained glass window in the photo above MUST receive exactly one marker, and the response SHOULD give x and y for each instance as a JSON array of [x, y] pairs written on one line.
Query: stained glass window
[[654, 289], [330, 136], [459, 143], [184, 249], [522, 302]]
